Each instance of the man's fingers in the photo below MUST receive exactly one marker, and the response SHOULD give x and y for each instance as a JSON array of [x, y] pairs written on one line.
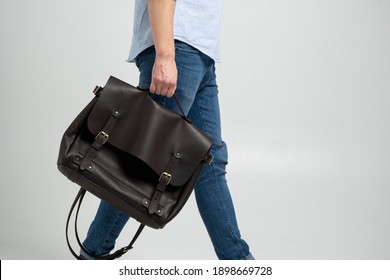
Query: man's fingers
[[164, 92], [152, 87], [159, 90], [168, 91], [171, 91]]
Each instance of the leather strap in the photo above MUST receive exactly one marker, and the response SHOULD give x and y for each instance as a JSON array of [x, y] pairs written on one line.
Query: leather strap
[[181, 110], [183, 115], [100, 140], [163, 182], [117, 254]]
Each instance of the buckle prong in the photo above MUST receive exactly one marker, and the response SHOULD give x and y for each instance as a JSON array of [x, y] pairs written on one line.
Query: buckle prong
[[103, 136]]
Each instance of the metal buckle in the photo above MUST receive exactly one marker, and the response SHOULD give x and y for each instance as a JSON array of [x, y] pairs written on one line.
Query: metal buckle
[[102, 136], [208, 159], [97, 90], [167, 175]]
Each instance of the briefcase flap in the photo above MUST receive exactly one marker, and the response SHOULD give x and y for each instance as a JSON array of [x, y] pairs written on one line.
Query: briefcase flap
[[148, 130]]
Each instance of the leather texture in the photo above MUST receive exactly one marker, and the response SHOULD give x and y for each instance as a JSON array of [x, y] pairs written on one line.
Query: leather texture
[[134, 153], [148, 131]]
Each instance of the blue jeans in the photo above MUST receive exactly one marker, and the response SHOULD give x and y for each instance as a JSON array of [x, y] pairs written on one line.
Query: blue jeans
[[197, 92]]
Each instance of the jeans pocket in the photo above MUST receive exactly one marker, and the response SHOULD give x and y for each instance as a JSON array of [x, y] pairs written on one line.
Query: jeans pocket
[[185, 48], [148, 53]]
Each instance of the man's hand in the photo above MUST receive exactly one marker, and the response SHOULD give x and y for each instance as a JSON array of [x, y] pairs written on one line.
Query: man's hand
[[164, 76]]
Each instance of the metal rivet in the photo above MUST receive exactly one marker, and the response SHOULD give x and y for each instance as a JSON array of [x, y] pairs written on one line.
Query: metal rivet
[[90, 167], [116, 112], [159, 211], [146, 202]]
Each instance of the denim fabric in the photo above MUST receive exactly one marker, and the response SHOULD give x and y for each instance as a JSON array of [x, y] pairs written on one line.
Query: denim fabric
[[197, 92]]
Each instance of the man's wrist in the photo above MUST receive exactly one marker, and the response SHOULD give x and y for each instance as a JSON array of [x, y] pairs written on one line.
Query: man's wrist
[[166, 52]]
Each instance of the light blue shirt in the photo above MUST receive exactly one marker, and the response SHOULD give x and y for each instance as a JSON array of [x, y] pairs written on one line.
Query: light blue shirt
[[196, 22]]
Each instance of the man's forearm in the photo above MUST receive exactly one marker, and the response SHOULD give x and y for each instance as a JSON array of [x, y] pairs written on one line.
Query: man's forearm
[[161, 13]]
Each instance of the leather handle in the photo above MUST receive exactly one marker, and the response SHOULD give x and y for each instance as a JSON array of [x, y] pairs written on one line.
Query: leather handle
[[176, 100]]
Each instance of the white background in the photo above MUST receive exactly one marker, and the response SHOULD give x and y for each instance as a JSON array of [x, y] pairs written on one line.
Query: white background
[[304, 91]]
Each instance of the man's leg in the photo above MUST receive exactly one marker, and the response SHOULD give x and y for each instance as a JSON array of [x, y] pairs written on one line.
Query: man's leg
[[104, 230], [212, 193]]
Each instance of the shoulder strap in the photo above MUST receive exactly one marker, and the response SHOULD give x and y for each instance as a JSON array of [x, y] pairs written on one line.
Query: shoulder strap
[[117, 254]]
